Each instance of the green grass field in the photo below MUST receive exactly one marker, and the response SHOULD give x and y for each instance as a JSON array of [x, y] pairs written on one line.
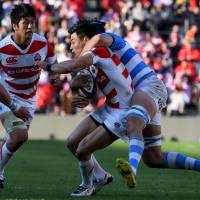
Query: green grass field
[[46, 170]]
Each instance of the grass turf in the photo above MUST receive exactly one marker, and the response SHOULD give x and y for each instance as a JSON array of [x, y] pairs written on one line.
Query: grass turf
[[46, 170]]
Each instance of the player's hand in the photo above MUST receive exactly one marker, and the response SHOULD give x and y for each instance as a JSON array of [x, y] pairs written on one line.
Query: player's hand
[[79, 101], [22, 113], [42, 64], [79, 81]]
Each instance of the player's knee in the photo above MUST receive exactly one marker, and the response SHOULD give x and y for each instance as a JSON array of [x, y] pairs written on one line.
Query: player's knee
[[83, 150], [81, 153], [20, 136], [137, 119], [17, 138], [134, 126], [71, 144]]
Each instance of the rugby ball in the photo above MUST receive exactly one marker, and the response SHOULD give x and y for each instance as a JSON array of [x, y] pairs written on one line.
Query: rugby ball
[[90, 89]]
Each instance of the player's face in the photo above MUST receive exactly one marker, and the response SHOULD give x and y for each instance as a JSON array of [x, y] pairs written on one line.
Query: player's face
[[76, 44], [24, 30]]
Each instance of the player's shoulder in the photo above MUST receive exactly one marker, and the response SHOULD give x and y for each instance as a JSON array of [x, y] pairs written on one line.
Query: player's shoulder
[[101, 51], [39, 37], [5, 41]]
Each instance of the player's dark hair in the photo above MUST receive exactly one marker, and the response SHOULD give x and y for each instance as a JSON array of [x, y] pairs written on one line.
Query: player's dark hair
[[21, 11], [88, 27]]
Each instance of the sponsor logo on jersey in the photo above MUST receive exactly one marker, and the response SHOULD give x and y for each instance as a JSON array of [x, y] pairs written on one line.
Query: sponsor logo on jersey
[[24, 70], [37, 57], [11, 60]]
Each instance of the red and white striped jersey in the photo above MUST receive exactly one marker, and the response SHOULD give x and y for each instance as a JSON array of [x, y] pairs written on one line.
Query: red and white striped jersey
[[112, 77], [19, 71]]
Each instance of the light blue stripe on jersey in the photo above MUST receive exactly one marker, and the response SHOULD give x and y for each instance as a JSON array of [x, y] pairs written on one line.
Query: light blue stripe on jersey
[[143, 78], [138, 68], [118, 42], [126, 57]]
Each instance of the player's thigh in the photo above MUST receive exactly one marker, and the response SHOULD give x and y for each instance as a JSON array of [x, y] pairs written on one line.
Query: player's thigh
[[98, 139], [142, 99], [85, 127]]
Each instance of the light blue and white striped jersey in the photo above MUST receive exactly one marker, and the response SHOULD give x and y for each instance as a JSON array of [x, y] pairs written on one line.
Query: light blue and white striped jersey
[[139, 71]]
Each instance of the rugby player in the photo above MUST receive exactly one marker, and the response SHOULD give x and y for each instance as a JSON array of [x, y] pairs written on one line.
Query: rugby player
[[103, 126], [19, 53], [143, 119]]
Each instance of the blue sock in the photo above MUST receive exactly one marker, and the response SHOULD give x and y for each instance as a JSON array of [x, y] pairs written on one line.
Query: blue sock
[[136, 148], [174, 160]]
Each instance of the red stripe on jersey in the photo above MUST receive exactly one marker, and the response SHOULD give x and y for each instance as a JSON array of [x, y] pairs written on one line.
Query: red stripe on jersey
[[132, 85], [125, 73], [115, 59], [24, 86], [24, 96], [102, 52], [10, 50], [21, 72], [50, 50], [113, 105], [111, 94], [36, 46], [102, 79]]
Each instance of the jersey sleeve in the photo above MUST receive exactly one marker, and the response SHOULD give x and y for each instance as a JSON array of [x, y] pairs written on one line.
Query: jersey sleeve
[[100, 53], [51, 57], [118, 42]]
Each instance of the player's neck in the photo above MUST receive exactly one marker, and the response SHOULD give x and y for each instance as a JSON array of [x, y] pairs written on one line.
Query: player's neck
[[21, 43]]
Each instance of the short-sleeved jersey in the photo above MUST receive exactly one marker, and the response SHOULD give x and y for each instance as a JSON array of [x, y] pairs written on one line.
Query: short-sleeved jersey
[[20, 74], [139, 71], [112, 78]]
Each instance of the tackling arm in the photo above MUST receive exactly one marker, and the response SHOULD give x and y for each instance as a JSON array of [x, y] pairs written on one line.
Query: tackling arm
[[98, 40], [69, 66]]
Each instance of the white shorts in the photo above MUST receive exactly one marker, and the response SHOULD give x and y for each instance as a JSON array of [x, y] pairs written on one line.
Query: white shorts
[[156, 89], [113, 119], [10, 121]]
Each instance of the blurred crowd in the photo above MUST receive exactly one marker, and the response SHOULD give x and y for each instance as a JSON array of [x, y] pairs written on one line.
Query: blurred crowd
[[166, 33]]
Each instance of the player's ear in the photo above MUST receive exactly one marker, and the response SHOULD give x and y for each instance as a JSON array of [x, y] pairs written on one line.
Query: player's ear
[[14, 26], [86, 39]]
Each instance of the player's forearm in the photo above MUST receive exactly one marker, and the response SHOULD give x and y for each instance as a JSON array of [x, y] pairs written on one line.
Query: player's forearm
[[71, 65], [98, 40], [61, 68]]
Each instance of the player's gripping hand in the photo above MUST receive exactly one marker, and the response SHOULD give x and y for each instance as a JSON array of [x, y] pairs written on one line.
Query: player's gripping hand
[[42, 64], [19, 111], [79, 101], [79, 81], [22, 113]]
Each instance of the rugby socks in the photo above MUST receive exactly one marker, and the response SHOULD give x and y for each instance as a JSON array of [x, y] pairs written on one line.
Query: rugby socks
[[5, 155], [98, 172], [136, 148], [86, 170], [174, 160]]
